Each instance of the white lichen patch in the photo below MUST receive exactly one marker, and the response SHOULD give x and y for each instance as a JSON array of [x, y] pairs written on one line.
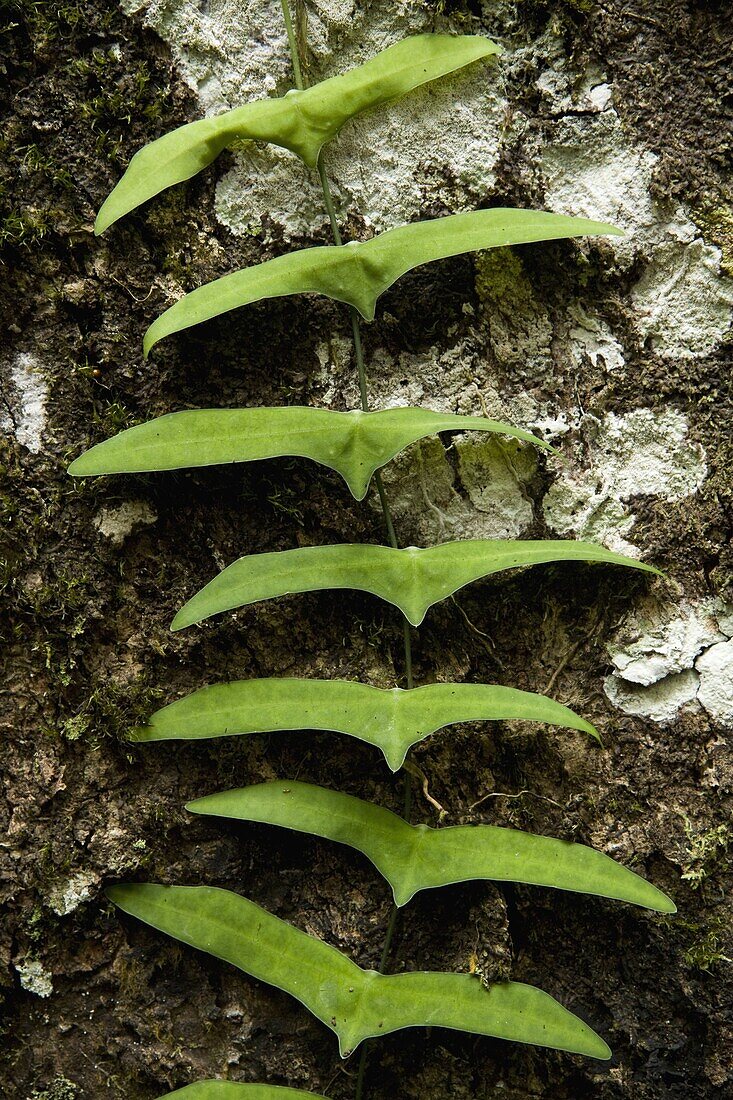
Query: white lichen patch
[[66, 897], [645, 452], [119, 522], [683, 303], [479, 487], [228, 51], [482, 495], [590, 337], [669, 655], [657, 641], [34, 977], [494, 474], [268, 190], [660, 702], [24, 415], [715, 669]]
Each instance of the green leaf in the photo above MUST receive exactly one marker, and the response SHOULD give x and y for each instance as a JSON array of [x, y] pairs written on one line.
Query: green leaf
[[355, 1003], [302, 121], [416, 857], [393, 719], [411, 579], [358, 273], [355, 444], [230, 1090]]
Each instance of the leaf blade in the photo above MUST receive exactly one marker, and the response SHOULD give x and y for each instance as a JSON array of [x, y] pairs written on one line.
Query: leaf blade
[[358, 273], [414, 858], [411, 579], [393, 720], [302, 121], [354, 444], [232, 1090], [354, 1003]]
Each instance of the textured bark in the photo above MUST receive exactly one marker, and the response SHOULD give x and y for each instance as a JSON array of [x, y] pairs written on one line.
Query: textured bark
[[93, 573]]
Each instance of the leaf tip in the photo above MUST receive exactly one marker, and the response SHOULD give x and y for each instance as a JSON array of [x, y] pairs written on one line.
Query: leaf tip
[[402, 895], [395, 760], [598, 1048], [198, 805], [587, 727], [183, 618], [664, 904], [102, 221], [414, 615]]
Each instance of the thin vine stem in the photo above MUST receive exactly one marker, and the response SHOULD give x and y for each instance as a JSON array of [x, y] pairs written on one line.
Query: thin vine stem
[[383, 500], [292, 44]]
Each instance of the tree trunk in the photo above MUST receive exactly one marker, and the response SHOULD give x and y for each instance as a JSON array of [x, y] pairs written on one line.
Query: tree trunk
[[616, 351]]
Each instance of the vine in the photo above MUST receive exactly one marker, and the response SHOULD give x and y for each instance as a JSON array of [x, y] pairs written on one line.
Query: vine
[[356, 1004], [384, 503]]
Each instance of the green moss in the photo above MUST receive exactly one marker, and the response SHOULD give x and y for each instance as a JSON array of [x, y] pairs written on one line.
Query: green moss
[[112, 418], [116, 101], [44, 23], [170, 216], [24, 224], [704, 950], [113, 709], [704, 851], [24, 228], [716, 224], [59, 1089], [75, 727], [500, 275]]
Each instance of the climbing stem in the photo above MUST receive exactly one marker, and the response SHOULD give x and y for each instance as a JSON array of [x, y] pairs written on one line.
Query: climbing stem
[[292, 44], [359, 353], [328, 199], [386, 510]]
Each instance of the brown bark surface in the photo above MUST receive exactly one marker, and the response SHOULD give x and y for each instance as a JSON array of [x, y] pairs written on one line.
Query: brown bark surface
[[108, 1008]]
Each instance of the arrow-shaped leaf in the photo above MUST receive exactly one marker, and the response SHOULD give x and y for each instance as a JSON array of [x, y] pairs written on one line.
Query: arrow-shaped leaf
[[358, 273], [302, 121], [355, 444], [391, 719], [411, 579], [231, 1090], [416, 857], [355, 1003]]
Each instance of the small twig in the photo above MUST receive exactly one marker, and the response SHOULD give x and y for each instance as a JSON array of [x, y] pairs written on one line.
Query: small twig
[[503, 794], [413, 769], [487, 643], [128, 291], [568, 657]]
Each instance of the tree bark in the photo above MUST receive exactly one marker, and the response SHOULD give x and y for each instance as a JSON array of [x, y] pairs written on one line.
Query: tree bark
[[619, 353]]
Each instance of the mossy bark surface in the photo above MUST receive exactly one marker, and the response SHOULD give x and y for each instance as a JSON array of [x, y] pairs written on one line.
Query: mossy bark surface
[[623, 358]]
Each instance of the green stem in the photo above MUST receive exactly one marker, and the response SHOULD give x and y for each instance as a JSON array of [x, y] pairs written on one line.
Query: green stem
[[328, 199], [293, 45], [386, 510]]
